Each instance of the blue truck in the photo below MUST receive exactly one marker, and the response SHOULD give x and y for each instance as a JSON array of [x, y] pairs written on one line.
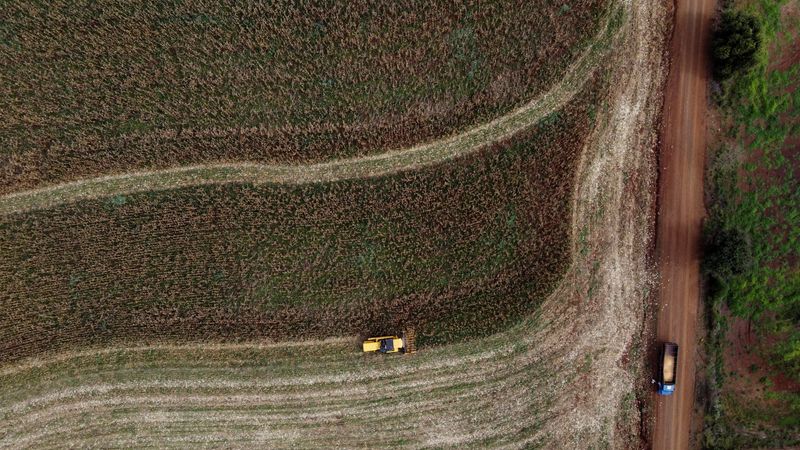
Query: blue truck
[[668, 369]]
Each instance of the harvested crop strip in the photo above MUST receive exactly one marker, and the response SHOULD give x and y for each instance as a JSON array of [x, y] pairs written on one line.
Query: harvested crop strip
[[461, 249], [98, 89], [560, 379], [275, 395]]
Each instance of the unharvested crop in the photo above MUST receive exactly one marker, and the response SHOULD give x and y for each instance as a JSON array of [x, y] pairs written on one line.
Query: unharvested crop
[[454, 250], [109, 86], [523, 387]]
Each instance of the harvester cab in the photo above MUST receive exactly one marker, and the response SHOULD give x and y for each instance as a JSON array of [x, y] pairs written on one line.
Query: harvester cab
[[384, 344]]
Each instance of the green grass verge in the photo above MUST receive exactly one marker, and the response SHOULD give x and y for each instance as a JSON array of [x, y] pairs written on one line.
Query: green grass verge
[[754, 235]]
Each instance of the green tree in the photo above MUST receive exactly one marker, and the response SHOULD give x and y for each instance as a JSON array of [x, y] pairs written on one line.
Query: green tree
[[735, 43], [727, 252]]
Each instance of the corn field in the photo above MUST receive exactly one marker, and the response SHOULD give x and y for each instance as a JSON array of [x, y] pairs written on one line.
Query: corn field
[[455, 250], [205, 205], [106, 87]]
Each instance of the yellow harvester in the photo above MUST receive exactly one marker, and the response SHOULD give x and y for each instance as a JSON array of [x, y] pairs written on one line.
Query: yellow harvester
[[384, 344]]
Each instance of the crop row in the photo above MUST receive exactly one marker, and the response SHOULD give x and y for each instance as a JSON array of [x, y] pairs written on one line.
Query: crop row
[[101, 88], [458, 249]]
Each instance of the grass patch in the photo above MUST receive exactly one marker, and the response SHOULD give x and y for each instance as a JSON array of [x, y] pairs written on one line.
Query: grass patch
[[752, 254]]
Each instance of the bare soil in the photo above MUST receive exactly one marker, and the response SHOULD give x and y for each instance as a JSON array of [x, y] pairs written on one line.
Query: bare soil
[[747, 366]]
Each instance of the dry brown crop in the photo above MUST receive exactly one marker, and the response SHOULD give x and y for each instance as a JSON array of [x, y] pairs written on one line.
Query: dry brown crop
[[563, 377], [110, 87], [461, 249]]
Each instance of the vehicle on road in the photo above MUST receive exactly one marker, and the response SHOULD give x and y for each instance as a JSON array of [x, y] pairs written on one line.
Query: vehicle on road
[[668, 368], [384, 344]]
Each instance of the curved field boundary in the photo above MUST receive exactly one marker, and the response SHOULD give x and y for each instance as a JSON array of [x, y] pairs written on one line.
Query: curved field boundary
[[525, 387], [160, 385], [415, 157]]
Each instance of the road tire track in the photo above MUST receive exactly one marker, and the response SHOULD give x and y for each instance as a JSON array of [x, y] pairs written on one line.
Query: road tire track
[[681, 213]]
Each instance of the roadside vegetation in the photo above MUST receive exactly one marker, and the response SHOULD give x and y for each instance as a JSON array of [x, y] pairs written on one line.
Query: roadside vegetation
[[110, 87], [752, 251], [735, 43]]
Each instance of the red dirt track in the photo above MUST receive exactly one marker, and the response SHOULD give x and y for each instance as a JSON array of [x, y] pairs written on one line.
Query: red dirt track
[[681, 212]]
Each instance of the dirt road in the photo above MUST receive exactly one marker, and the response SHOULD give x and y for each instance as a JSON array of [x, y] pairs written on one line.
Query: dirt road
[[681, 211]]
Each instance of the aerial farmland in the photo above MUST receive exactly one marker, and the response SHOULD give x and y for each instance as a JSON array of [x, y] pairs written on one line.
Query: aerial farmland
[[206, 207]]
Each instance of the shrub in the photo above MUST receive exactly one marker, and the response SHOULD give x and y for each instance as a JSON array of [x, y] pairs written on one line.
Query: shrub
[[726, 253], [735, 43]]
